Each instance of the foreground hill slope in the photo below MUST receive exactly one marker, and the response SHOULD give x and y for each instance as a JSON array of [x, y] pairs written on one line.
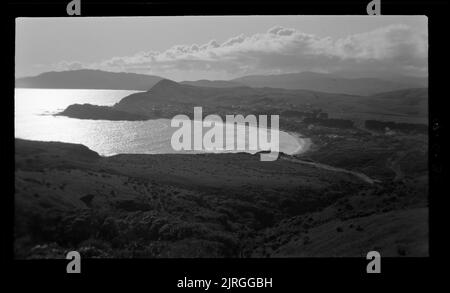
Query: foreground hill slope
[[209, 205], [395, 233]]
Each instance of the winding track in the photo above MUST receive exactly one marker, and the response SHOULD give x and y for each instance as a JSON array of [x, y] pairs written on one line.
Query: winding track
[[360, 175]]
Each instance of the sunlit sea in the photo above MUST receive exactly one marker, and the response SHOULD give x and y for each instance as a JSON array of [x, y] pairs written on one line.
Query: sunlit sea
[[35, 120]]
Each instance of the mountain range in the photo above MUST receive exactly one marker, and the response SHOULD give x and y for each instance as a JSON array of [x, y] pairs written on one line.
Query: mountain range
[[89, 79], [321, 82], [332, 83]]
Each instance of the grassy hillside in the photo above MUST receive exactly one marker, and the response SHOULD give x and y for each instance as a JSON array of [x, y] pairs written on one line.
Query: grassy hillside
[[207, 205]]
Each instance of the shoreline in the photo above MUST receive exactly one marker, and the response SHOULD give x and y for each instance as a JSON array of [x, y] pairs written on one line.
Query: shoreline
[[293, 143], [305, 143]]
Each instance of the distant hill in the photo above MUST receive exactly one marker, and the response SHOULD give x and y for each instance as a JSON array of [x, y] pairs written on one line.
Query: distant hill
[[167, 94], [213, 83], [412, 102], [168, 98], [331, 83], [393, 77], [89, 79], [342, 83], [88, 111]]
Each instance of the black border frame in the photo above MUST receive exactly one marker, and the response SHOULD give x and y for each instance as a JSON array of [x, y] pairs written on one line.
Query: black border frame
[[284, 272]]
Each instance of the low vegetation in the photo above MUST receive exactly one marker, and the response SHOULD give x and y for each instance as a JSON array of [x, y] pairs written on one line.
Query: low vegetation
[[228, 205]]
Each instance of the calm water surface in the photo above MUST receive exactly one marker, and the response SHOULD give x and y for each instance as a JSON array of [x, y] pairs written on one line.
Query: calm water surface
[[34, 121]]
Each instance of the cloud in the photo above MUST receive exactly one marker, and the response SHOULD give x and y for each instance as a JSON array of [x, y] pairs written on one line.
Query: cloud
[[395, 48]]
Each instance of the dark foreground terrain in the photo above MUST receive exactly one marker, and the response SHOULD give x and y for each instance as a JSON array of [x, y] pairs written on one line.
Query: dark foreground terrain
[[223, 205]]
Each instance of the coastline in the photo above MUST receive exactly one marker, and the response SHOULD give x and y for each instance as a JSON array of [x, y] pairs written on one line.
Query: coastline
[[305, 143]]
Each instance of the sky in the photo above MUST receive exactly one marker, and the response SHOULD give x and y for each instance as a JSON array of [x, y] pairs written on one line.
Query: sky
[[223, 47]]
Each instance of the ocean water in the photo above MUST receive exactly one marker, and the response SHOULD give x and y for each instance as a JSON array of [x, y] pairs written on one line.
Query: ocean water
[[34, 120]]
